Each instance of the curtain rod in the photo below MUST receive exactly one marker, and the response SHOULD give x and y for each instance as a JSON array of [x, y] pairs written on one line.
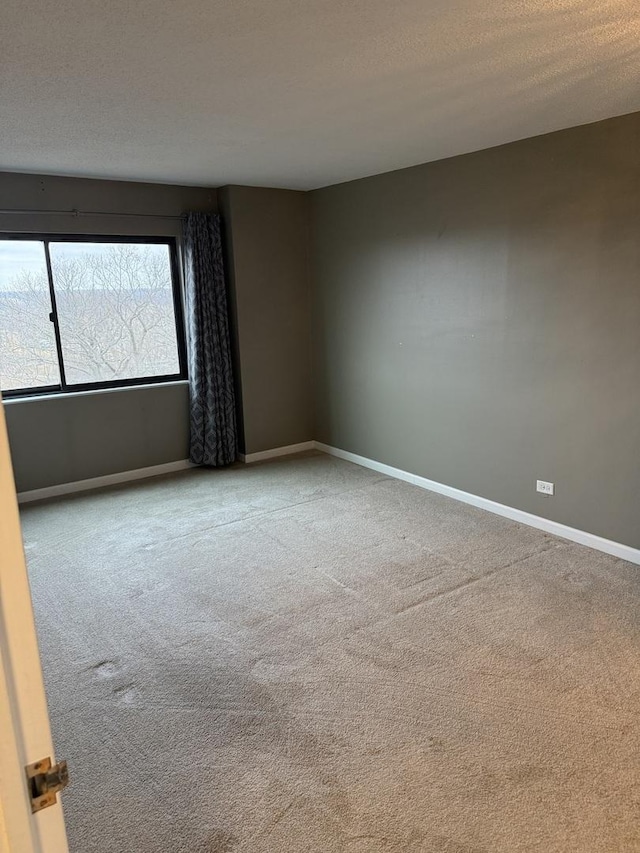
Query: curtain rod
[[76, 212]]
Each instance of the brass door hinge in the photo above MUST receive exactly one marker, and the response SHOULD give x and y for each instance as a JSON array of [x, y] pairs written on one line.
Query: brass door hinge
[[45, 781]]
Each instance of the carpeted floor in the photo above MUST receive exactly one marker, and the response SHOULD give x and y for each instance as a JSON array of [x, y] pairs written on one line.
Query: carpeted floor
[[304, 656]]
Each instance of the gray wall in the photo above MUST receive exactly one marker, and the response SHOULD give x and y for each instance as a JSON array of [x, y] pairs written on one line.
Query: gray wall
[[45, 192], [58, 440], [267, 255], [76, 436], [478, 323]]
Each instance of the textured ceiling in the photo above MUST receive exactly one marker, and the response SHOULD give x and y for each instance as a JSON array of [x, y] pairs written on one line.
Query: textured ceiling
[[299, 94]]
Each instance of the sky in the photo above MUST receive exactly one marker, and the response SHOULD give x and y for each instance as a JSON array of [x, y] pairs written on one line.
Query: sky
[[19, 255]]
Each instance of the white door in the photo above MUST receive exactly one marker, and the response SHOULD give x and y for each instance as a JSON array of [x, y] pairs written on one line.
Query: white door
[[25, 735]]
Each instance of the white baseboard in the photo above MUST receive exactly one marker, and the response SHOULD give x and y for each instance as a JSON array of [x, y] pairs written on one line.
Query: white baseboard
[[277, 451], [143, 473], [106, 480], [617, 549], [598, 543]]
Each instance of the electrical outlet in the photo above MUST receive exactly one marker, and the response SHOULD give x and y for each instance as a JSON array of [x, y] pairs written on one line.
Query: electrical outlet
[[545, 488]]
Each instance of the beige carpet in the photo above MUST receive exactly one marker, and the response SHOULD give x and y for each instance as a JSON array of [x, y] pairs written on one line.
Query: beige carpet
[[307, 657]]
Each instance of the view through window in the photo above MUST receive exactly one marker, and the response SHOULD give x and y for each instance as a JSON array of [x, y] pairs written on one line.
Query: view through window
[[77, 314]]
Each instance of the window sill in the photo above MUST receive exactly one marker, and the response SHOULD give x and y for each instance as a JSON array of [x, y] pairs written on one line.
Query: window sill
[[64, 395]]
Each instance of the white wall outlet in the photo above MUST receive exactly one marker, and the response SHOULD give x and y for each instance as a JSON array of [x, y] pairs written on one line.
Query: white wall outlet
[[544, 488]]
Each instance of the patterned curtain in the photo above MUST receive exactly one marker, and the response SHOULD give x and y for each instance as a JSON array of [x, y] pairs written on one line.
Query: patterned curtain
[[213, 438]]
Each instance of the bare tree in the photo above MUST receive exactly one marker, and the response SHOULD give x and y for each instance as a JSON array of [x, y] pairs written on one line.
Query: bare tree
[[115, 310], [27, 344]]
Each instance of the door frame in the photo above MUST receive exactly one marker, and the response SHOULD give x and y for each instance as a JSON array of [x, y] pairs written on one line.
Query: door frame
[[25, 733]]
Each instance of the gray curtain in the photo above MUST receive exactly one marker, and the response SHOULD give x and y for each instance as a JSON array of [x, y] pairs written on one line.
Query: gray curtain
[[213, 438]]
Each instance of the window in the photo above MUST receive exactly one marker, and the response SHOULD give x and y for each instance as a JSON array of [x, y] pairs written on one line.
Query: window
[[80, 313]]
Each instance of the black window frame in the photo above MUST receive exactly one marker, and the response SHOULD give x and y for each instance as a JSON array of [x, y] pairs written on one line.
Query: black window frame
[[63, 387]]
